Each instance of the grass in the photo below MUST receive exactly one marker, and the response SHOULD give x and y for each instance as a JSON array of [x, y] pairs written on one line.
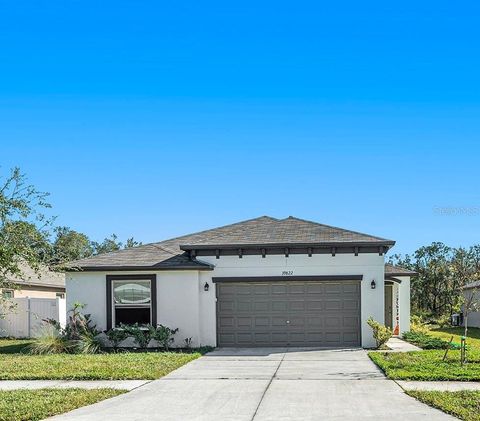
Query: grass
[[17, 364], [464, 405], [13, 346], [473, 339], [428, 365], [121, 366], [30, 405]]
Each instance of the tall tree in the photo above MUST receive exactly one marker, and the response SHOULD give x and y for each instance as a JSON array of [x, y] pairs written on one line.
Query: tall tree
[[23, 225], [70, 245]]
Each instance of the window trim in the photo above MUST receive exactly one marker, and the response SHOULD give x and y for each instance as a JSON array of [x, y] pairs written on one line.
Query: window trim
[[139, 277]]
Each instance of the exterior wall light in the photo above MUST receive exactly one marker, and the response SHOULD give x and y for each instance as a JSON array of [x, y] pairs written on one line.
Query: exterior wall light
[[373, 285], [206, 287]]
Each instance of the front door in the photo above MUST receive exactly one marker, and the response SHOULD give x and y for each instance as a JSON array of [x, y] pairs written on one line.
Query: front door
[[389, 306]]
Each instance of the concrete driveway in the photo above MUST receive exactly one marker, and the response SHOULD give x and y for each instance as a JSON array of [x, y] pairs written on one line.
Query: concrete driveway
[[267, 384]]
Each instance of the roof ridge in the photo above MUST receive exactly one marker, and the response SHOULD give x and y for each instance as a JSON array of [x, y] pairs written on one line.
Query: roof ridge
[[223, 226], [338, 228]]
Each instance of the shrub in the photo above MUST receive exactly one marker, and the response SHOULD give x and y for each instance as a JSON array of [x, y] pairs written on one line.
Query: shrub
[[163, 335], [116, 336], [443, 321], [79, 335], [417, 325], [425, 341], [381, 333], [51, 341], [79, 324], [141, 334], [88, 344], [188, 343]]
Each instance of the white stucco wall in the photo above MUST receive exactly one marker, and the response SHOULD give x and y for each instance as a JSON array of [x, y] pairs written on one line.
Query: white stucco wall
[[183, 303], [178, 295]]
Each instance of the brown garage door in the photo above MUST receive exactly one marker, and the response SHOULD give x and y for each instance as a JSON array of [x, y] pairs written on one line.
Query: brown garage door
[[323, 313]]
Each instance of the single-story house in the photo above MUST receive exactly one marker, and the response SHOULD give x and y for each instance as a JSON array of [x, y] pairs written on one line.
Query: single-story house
[[260, 282], [471, 292], [41, 283]]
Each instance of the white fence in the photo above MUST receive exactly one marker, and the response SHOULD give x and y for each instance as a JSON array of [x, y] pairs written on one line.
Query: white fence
[[25, 319]]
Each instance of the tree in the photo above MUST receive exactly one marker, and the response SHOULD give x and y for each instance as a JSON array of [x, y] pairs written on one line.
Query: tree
[[112, 243], [70, 245], [23, 226], [108, 245]]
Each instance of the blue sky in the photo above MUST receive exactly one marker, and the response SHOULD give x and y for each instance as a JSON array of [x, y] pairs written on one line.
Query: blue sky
[[151, 120]]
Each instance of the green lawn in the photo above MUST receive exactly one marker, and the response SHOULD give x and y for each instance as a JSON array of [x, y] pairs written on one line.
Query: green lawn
[[17, 364], [30, 405], [13, 346], [464, 405], [122, 366], [473, 339], [428, 365]]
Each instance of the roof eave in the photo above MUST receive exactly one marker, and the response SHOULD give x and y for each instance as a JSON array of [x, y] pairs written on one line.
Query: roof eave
[[384, 243], [135, 268]]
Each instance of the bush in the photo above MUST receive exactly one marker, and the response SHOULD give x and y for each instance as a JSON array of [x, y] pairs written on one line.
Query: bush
[[79, 335], [443, 321], [51, 341], [116, 336], [381, 333], [88, 344], [417, 325], [142, 335], [164, 336], [425, 341]]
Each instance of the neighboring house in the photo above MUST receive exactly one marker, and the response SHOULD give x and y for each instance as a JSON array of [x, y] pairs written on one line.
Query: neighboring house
[[34, 297], [36, 284], [473, 290], [261, 282]]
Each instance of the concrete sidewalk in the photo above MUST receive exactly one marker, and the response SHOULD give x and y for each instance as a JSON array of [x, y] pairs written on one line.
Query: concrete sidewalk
[[63, 384], [399, 345], [267, 384]]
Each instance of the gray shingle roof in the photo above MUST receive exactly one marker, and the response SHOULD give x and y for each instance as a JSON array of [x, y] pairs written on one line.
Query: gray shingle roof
[[262, 231], [391, 270], [42, 277], [270, 231]]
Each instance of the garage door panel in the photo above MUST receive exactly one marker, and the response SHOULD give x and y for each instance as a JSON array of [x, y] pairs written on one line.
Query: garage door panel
[[333, 288], [293, 313], [333, 304], [315, 305], [261, 306], [296, 288], [226, 321], [279, 305], [297, 305], [279, 289]]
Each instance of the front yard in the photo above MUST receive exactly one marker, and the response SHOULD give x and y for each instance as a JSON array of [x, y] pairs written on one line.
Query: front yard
[[464, 405], [32, 405], [428, 364], [17, 364]]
